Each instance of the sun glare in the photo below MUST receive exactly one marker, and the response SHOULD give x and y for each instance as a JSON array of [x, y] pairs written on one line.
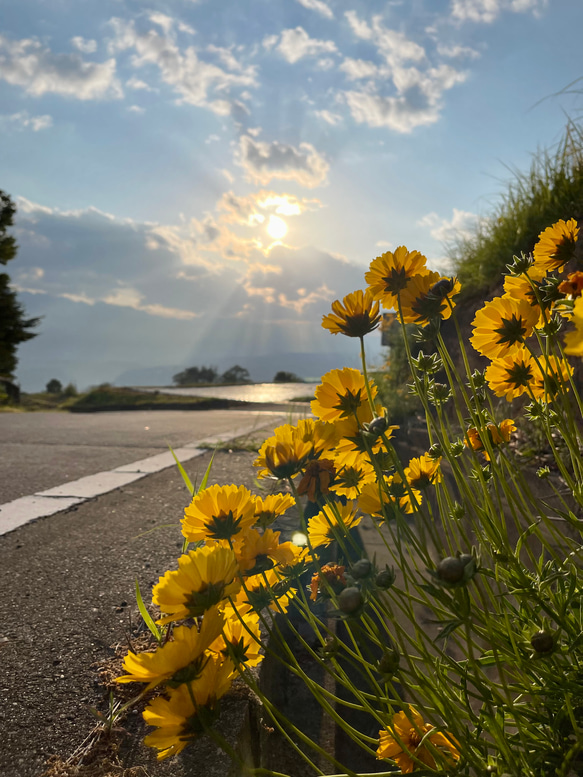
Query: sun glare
[[276, 228]]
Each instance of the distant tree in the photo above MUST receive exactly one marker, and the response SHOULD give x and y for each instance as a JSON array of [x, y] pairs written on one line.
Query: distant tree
[[236, 374], [287, 377], [14, 326], [70, 390], [196, 375], [54, 386]]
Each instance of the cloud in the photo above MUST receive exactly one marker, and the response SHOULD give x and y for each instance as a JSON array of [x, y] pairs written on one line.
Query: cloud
[[35, 68], [138, 84], [196, 81], [23, 120], [457, 52], [296, 44], [357, 69], [461, 225], [319, 6], [136, 109], [263, 161], [329, 117], [486, 11], [84, 45]]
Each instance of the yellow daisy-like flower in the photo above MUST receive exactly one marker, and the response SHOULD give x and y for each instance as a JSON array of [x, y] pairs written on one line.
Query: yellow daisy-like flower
[[357, 315], [402, 743], [268, 508], [423, 472], [176, 662], [219, 513], [341, 394], [351, 443], [204, 577], [321, 436], [556, 245], [555, 376], [260, 552], [332, 520], [427, 297], [390, 273], [502, 325], [512, 375], [260, 591], [574, 339], [520, 287], [177, 718], [240, 641], [497, 435], [284, 454], [350, 479], [394, 493]]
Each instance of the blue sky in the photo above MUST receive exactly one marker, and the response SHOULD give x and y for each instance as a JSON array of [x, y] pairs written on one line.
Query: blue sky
[[197, 181]]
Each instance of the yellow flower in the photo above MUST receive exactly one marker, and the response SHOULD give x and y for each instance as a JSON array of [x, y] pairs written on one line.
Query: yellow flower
[[258, 552], [574, 339], [177, 719], [260, 591], [351, 443], [512, 375], [341, 394], [502, 325], [332, 520], [350, 479], [284, 454], [394, 493], [556, 374], [176, 662], [357, 315], [427, 297], [316, 479], [390, 273], [243, 640], [204, 577], [268, 508], [423, 472], [496, 435], [573, 286], [219, 513], [556, 245], [520, 287], [401, 743], [320, 435]]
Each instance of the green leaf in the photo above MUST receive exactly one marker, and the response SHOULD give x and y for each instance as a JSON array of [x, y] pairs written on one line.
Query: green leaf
[[204, 481], [187, 481], [146, 615]]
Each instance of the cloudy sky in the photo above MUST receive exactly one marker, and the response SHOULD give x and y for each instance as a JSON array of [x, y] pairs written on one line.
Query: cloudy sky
[[197, 180]]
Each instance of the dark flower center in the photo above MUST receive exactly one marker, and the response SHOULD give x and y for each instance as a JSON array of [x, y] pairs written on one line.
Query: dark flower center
[[396, 280], [512, 330], [520, 374]]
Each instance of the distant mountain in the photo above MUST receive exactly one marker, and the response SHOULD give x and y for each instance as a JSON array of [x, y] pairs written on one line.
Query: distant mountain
[[262, 368]]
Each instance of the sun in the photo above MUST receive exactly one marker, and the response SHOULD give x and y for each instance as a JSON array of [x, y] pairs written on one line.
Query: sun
[[276, 227]]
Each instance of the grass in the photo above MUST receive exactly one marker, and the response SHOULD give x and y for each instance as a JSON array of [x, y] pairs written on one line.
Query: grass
[[551, 190]]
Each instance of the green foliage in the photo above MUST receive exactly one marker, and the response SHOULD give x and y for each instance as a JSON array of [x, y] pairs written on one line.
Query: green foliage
[[236, 374], [14, 326], [392, 382], [107, 397], [196, 375], [54, 386], [287, 377], [551, 190]]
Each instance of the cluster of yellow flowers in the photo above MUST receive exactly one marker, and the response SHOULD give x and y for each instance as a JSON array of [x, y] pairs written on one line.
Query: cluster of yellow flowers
[[344, 464]]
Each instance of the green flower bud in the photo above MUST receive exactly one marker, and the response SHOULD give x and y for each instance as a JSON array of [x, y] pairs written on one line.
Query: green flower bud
[[350, 600], [361, 568], [389, 663], [543, 642], [385, 578], [455, 571]]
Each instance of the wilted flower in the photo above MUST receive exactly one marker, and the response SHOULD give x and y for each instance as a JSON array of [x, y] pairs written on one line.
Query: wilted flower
[[401, 743]]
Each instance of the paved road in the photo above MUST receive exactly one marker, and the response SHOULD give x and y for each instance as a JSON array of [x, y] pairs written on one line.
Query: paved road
[[42, 450]]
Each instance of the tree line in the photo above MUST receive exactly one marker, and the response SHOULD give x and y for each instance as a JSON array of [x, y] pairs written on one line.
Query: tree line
[[235, 374]]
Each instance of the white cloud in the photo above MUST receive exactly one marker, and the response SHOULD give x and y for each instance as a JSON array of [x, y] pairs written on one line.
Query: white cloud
[[164, 22], [461, 225], [457, 52], [196, 81], [136, 109], [138, 84], [359, 27], [327, 63], [329, 117], [269, 41], [263, 161], [392, 45], [35, 68], [357, 69], [84, 45], [319, 6], [486, 11], [23, 120], [296, 44], [127, 297]]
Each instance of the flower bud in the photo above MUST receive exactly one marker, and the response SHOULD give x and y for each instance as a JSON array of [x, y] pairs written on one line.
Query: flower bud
[[377, 426], [361, 568], [385, 578], [350, 600], [455, 570], [543, 642], [389, 663]]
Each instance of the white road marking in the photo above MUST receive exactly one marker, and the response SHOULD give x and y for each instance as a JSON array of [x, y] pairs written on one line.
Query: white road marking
[[55, 500]]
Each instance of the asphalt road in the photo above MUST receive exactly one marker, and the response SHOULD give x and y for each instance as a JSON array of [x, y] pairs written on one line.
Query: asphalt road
[[42, 450]]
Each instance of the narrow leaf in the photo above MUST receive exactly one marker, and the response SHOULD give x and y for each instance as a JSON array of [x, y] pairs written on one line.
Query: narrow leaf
[[204, 481], [187, 481], [148, 620]]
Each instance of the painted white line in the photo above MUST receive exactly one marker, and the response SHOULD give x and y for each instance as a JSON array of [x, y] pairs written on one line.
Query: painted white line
[[28, 508], [54, 500]]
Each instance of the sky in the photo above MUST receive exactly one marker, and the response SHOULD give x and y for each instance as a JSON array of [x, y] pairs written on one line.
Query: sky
[[197, 180]]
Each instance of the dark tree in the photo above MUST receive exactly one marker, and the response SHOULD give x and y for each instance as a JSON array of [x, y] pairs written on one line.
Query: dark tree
[[14, 326], [196, 375], [54, 386], [236, 374], [287, 377]]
